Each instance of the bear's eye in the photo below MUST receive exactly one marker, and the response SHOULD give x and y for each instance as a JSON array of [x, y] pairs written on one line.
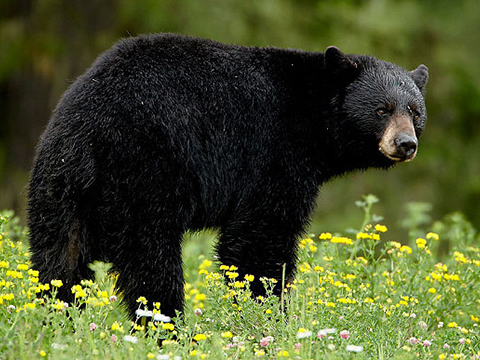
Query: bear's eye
[[381, 112], [415, 113]]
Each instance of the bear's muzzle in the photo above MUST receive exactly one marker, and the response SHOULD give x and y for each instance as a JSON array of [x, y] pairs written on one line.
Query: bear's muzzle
[[399, 142]]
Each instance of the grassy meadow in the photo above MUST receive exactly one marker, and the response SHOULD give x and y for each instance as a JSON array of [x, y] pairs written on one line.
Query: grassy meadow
[[358, 294]]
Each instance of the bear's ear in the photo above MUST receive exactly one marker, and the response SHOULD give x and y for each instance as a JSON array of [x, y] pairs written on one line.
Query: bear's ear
[[420, 77], [336, 62]]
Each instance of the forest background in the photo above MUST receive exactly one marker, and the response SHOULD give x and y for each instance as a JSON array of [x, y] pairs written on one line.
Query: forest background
[[46, 44]]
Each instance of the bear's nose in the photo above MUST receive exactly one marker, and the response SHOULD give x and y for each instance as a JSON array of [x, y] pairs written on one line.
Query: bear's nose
[[406, 145]]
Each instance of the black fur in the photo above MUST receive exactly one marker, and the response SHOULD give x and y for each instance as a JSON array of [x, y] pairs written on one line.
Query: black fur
[[167, 133]]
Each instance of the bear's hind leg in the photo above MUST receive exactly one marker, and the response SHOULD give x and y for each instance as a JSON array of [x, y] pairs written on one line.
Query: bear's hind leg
[[59, 251]]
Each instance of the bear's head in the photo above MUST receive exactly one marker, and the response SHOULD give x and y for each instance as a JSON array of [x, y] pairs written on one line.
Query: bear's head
[[380, 109]]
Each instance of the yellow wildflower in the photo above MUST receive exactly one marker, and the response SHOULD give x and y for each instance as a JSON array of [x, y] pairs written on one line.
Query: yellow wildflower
[[406, 249], [142, 300], [432, 236], [168, 326], [200, 337], [56, 283], [325, 236], [381, 228], [421, 243], [249, 278]]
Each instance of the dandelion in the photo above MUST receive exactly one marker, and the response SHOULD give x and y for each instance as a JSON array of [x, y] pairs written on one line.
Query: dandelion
[[354, 348], [344, 334], [43, 353], [266, 341]]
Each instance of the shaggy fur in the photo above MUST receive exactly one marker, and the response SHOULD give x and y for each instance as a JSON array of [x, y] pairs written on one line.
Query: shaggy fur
[[167, 133]]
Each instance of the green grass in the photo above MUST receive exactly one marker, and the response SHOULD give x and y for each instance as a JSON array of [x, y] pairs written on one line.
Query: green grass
[[357, 295]]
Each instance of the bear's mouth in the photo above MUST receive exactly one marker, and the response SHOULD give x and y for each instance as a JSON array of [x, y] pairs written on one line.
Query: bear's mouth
[[398, 157]]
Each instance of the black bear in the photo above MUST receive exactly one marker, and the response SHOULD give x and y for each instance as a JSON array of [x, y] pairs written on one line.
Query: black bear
[[169, 133]]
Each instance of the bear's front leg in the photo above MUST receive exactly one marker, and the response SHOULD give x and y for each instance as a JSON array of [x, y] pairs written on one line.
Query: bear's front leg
[[260, 248]]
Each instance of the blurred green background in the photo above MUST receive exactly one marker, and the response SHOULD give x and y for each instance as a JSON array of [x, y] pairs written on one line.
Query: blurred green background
[[46, 44]]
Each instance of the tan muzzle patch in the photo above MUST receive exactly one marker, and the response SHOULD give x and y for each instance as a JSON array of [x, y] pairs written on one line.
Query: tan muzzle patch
[[399, 142]]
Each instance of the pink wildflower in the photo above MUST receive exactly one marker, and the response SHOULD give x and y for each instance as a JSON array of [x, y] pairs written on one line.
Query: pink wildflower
[[93, 326], [427, 343], [413, 341], [344, 334], [197, 312], [266, 341], [113, 338]]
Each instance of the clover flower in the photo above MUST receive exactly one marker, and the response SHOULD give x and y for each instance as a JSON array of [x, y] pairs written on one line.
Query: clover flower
[[344, 334], [413, 341], [266, 341], [197, 312]]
